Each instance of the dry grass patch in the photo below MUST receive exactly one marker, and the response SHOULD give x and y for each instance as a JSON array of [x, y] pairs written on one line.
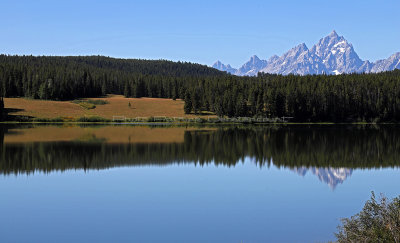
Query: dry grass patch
[[43, 108], [114, 105], [140, 107]]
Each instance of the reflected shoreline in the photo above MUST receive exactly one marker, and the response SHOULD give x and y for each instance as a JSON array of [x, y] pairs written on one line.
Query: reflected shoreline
[[329, 152]]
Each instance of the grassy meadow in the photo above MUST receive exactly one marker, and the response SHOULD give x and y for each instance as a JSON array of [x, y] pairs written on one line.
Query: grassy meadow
[[107, 107]]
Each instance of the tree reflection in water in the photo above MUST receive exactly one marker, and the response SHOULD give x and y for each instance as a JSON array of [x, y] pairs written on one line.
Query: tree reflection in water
[[329, 152]]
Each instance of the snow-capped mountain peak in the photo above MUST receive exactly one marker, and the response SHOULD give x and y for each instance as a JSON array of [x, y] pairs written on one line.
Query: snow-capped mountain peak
[[273, 59], [393, 62], [337, 54], [220, 66], [333, 54], [251, 67], [333, 34], [297, 60], [255, 58]]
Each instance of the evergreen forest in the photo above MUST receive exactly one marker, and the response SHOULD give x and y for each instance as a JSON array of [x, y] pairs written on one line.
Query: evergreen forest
[[311, 98]]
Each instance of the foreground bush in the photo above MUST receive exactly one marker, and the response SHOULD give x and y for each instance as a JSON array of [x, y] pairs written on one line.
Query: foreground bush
[[377, 222]]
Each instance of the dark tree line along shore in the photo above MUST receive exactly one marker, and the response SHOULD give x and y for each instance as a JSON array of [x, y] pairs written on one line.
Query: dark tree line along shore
[[315, 98], [352, 147]]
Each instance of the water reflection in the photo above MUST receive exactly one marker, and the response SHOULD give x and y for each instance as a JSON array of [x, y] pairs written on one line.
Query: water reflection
[[330, 176], [328, 152]]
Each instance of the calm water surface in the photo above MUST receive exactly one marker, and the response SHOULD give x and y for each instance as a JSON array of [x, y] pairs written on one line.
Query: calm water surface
[[186, 184]]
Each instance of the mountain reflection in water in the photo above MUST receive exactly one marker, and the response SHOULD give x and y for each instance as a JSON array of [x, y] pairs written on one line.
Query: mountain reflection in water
[[330, 176], [329, 152]]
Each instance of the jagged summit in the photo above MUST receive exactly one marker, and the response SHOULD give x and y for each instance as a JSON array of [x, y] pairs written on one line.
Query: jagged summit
[[220, 66], [251, 67], [337, 54], [333, 54], [273, 58], [333, 34], [393, 62], [254, 58], [302, 46], [217, 64]]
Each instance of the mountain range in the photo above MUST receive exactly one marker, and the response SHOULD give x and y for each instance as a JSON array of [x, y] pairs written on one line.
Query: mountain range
[[333, 54]]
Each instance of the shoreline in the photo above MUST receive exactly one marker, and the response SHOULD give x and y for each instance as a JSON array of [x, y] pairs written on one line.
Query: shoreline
[[196, 123]]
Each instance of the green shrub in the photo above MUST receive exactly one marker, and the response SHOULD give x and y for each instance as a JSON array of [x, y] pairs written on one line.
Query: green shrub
[[97, 102], [87, 105], [151, 119], [377, 222]]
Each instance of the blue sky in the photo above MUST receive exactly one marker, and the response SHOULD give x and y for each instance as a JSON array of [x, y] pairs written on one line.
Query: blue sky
[[195, 31]]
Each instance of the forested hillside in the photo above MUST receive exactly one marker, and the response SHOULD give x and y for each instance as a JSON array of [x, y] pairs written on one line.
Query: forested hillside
[[62, 78], [337, 98]]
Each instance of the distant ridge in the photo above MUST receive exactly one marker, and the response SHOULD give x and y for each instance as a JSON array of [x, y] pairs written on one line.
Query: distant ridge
[[333, 54]]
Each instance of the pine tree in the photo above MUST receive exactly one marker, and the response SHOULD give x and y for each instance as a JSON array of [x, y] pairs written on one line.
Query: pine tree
[[43, 92], [127, 89], [188, 103]]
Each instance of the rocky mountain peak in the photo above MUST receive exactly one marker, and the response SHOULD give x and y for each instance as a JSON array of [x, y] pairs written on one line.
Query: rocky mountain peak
[[252, 67], [333, 54], [254, 59], [333, 34], [222, 67], [300, 48]]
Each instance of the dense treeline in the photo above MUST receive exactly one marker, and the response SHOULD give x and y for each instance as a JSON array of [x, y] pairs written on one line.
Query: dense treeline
[[351, 97], [291, 147], [340, 98], [62, 78], [337, 98]]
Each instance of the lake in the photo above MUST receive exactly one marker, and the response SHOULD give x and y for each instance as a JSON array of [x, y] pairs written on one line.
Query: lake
[[125, 183]]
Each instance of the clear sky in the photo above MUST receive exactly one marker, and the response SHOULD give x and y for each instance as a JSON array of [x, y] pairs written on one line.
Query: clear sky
[[196, 31]]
